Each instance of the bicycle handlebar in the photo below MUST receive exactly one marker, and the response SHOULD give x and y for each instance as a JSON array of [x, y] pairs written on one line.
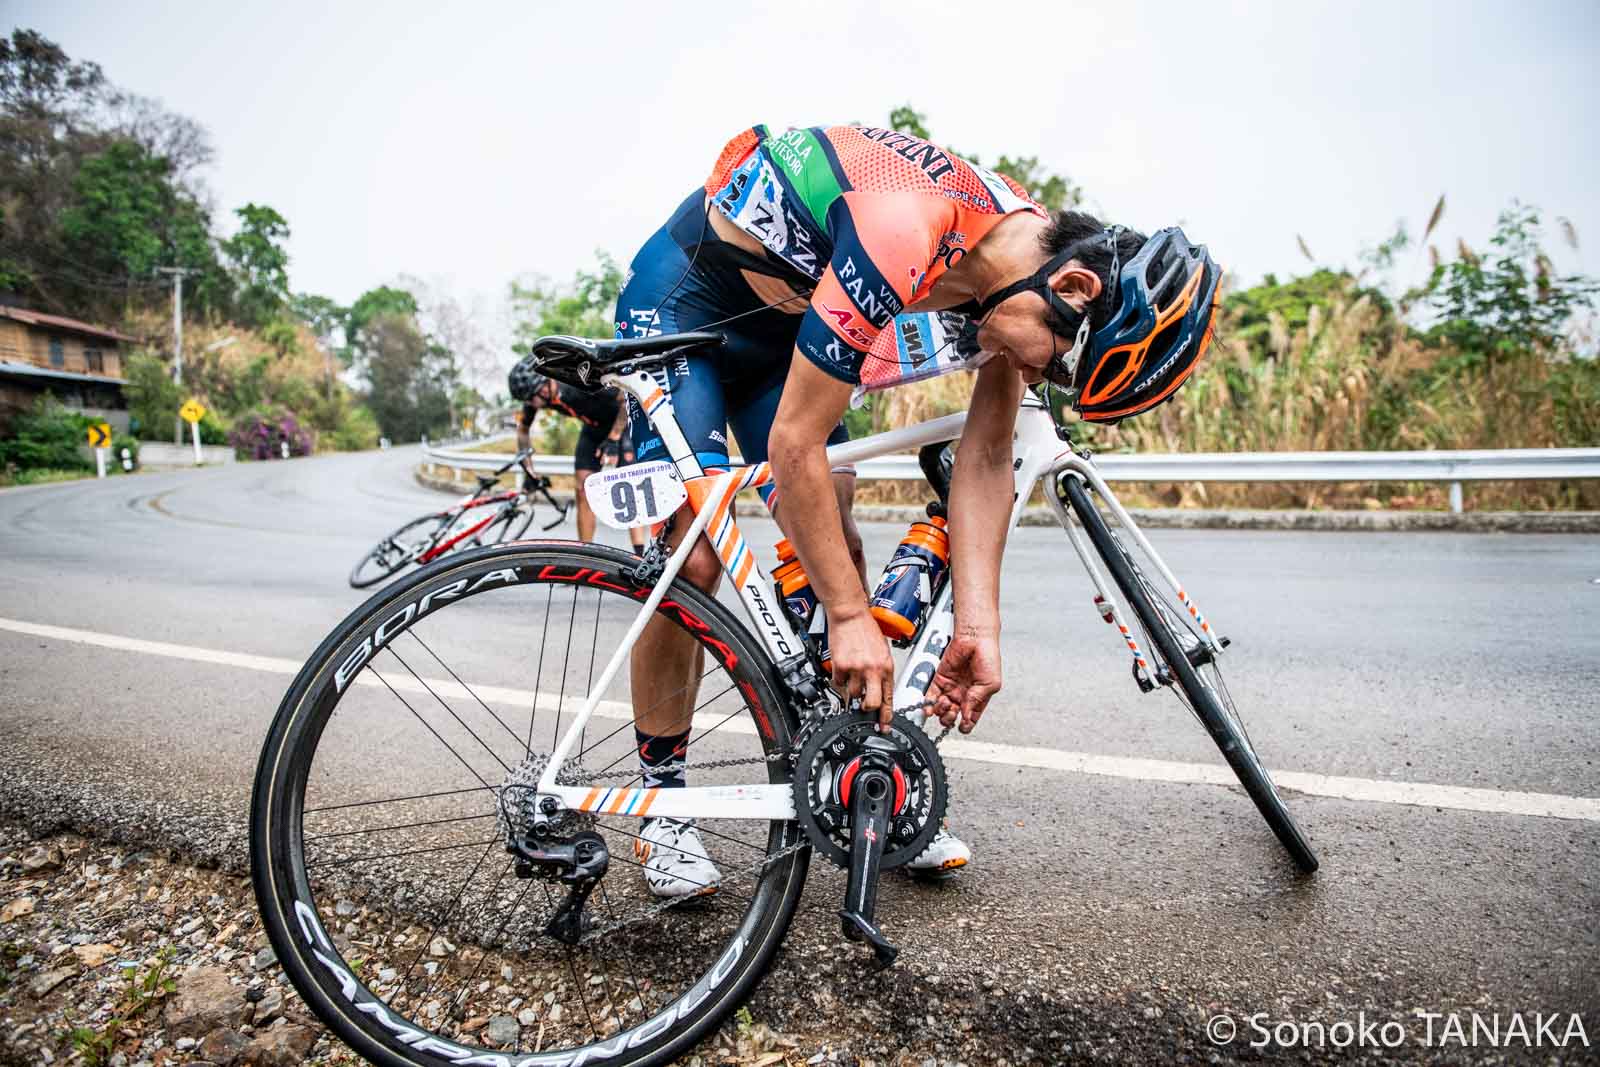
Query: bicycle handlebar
[[541, 486]]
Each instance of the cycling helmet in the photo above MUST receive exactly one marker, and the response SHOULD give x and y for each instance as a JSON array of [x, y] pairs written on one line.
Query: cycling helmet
[[1160, 325], [524, 382]]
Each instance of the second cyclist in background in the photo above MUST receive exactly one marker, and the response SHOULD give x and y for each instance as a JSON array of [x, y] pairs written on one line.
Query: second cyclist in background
[[602, 438]]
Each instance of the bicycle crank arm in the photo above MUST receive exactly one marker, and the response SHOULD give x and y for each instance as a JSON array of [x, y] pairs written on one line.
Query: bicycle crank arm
[[870, 796]]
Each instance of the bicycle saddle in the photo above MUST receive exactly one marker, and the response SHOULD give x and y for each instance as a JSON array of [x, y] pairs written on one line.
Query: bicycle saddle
[[580, 361]]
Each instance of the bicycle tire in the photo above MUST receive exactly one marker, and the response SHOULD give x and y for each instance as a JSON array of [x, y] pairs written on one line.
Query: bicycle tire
[[298, 926], [390, 554], [1224, 730]]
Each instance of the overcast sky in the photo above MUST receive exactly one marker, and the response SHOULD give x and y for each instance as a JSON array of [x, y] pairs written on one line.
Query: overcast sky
[[470, 143]]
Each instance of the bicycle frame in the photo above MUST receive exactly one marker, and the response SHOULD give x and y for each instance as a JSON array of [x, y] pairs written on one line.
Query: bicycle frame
[[1038, 453], [457, 510]]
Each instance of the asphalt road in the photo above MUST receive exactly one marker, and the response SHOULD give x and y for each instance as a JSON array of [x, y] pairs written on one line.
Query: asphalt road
[[1106, 914]]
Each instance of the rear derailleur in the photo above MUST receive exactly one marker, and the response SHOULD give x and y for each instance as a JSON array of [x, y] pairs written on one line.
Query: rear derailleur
[[552, 845], [869, 802]]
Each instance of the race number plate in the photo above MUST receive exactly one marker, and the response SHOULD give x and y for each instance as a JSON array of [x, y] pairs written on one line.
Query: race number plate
[[640, 495]]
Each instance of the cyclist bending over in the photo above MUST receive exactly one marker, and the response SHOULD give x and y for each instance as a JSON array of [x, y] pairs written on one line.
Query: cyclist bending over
[[602, 440], [800, 248]]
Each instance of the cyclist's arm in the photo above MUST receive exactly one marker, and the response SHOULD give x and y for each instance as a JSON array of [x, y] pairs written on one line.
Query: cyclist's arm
[[525, 419], [981, 492], [811, 406], [620, 423], [611, 449], [808, 510]]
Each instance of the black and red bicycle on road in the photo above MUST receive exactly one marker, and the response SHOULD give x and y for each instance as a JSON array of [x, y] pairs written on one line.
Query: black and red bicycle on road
[[487, 517]]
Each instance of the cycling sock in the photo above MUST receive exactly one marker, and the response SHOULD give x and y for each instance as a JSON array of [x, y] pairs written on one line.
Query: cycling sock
[[661, 751]]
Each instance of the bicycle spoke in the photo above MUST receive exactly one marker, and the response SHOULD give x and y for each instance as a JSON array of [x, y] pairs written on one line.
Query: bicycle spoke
[[473, 733], [430, 729], [399, 855], [533, 713], [398, 800], [566, 660], [428, 940], [397, 826], [500, 722]]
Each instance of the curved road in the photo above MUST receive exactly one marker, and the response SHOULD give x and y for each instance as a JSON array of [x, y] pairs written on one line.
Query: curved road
[[1443, 683]]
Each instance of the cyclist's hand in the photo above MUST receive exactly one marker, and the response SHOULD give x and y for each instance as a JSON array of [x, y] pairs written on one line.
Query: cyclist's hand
[[862, 666], [530, 482], [968, 675], [609, 452]]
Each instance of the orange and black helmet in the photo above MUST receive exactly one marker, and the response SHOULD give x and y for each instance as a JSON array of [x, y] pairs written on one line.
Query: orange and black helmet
[[1162, 303], [1162, 325]]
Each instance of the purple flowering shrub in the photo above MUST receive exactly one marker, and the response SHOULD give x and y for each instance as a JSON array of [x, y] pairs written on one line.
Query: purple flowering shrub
[[260, 435]]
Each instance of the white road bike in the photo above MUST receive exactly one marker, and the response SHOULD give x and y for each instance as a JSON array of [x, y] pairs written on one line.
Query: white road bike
[[442, 885]]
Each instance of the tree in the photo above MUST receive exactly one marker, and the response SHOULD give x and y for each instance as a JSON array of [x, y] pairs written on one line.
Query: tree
[[371, 305], [126, 217], [259, 264], [582, 308], [409, 379], [178, 139], [45, 94], [326, 318], [46, 102], [458, 329], [152, 397], [1509, 302]]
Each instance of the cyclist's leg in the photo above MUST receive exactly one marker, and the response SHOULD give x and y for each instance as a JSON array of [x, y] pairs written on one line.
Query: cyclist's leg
[[755, 406], [637, 534], [585, 461], [664, 294]]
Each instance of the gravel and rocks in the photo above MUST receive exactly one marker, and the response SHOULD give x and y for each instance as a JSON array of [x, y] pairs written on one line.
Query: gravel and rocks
[[131, 957], [125, 957]]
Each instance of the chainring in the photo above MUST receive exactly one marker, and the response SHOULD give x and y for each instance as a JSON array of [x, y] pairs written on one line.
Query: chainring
[[821, 776]]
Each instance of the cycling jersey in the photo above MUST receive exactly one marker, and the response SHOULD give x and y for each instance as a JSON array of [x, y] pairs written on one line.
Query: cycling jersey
[[596, 409], [874, 217]]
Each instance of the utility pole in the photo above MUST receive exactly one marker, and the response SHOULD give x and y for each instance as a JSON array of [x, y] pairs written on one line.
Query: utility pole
[[177, 338]]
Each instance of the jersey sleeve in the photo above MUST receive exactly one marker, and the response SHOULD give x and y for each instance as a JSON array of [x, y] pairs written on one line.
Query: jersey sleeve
[[882, 246], [525, 416]]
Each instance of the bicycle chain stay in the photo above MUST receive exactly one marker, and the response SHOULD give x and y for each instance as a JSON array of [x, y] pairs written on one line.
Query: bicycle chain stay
[[754, 869]]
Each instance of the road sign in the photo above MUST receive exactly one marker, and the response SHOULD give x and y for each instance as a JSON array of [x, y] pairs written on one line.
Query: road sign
[[100, 435], [192, 410]]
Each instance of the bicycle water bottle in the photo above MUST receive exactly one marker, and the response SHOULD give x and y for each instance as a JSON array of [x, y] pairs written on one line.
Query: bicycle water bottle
[[902, 594], [795, 590]]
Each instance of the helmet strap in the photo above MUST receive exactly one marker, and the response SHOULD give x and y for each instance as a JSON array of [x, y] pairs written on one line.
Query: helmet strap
[[1063, 318]]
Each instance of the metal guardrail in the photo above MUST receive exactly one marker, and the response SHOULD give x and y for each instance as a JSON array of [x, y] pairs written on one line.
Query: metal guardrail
[[1454, 467]]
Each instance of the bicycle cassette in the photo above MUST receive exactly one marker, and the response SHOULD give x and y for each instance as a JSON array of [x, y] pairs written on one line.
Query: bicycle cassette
[[515, 805], [827, 763]]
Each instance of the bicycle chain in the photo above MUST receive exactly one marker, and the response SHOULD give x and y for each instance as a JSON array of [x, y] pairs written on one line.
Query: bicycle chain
[[766, 861]]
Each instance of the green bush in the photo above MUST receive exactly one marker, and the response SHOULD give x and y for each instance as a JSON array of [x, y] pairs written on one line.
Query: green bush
[[358, 430], [153, 400], [49, 436], [213, 428]]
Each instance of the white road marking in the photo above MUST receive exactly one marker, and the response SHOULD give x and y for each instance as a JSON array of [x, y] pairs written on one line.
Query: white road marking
[[1365, 790]]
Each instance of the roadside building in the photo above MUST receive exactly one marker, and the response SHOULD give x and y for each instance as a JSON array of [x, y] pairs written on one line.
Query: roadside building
[[78, 363]]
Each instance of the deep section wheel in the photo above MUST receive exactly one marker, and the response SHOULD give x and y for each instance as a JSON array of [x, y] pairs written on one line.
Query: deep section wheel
[[401, 759]]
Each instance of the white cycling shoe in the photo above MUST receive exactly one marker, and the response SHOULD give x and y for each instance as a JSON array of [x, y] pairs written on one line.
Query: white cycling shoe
[[676, 864], [945, 855]]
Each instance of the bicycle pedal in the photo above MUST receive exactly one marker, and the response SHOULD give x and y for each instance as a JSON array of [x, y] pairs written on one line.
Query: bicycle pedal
[[857, 928]]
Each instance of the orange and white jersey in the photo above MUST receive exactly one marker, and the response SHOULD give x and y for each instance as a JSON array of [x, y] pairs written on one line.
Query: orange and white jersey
[[873, 216]]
